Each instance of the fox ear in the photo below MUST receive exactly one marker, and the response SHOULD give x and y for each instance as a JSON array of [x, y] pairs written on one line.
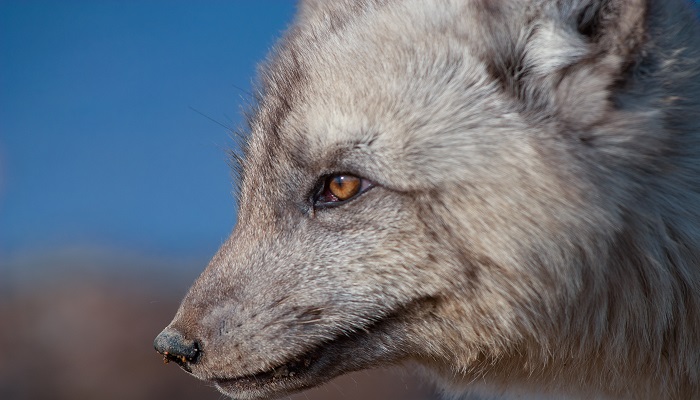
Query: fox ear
[[575, 54]]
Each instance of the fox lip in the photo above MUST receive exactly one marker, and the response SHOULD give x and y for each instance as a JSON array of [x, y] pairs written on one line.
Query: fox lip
[[315, 365], [293, 375], [331, 358], [323, 363]]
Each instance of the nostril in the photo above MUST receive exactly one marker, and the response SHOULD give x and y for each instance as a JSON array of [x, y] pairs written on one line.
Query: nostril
[[175, 347]]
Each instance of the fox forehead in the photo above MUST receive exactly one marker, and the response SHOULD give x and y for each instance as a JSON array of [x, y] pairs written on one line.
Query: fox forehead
[[391, 105]]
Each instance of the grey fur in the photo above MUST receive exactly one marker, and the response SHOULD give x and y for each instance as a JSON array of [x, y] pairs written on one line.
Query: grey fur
[[535, 221]]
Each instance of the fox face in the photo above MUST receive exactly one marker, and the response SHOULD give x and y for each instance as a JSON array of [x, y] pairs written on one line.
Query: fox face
[[332, 266], [437, 185]]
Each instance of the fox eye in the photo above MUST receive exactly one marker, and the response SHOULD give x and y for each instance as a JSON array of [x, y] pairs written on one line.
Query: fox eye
[[339, 188]]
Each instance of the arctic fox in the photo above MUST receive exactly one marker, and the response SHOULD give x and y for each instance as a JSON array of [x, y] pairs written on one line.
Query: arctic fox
[[504, 192]]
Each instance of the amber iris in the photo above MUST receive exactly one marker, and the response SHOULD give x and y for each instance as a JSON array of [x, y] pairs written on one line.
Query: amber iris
[[344, 187]]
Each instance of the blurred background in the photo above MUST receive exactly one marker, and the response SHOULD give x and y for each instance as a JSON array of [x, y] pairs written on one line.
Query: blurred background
[[115, 189]]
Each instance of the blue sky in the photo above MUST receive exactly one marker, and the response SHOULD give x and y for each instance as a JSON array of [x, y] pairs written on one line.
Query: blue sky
[[99, 143]]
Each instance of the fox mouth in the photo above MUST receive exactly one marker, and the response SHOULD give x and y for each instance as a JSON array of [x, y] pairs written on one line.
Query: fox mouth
[[293, 375], [322, 363], [381, 343]]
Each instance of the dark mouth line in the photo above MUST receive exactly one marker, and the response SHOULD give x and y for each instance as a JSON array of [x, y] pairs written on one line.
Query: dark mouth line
[[286, 371], [300, 367]]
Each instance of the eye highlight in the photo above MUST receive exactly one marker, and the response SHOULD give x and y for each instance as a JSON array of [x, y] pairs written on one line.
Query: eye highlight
[[337, 189]]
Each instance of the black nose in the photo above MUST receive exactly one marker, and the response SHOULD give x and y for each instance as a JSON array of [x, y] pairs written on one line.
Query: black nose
[[175, 347]]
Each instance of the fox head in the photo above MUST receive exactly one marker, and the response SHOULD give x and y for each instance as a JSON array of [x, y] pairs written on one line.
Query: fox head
[[442, 182]]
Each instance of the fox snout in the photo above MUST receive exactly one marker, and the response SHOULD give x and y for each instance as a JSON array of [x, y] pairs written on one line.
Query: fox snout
[[175, 347]]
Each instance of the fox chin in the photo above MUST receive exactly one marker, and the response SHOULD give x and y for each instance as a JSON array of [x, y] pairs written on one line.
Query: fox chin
[[506, 193]]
